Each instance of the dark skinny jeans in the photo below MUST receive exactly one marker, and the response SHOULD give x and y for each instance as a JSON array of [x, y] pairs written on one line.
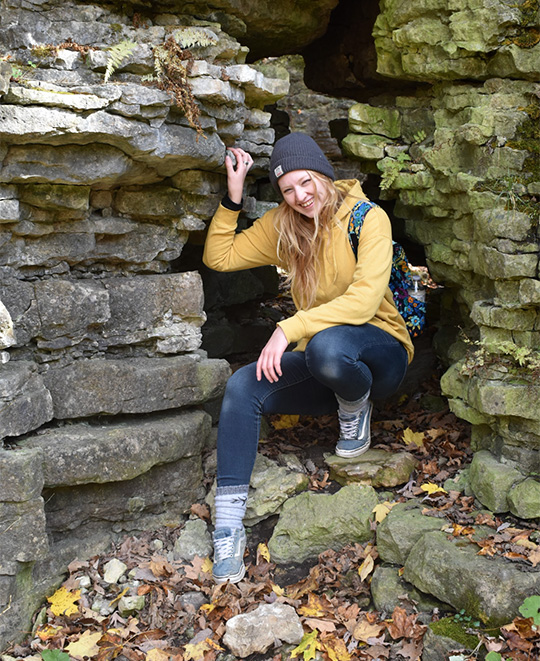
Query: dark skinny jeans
[[346, 360]]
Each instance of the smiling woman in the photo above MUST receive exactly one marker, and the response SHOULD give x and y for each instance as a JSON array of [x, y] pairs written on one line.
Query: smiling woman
[[351, 342]]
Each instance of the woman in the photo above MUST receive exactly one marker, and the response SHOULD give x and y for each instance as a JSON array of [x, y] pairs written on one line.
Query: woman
[[351, 343]]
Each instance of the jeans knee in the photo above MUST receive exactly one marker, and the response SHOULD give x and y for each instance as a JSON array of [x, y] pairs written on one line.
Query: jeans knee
[[323, 361]]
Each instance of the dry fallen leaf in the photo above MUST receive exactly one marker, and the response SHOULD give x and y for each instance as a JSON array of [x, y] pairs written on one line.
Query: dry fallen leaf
[[63, 602], [263, 552], [411, 437], [431, 488], [87, 645], [285, 421], [156, 654], [366, 568], [381, 510], [365, 631]]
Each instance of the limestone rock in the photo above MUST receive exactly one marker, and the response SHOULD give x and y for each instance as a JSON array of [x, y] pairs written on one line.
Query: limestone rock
[[114, 570], [129, 604], [7, 337], [138, 385], [269, 488], [194, 539], [378, 468], [439, 646], [25, 402], [489, 589], [524, 499], [491, 481], [21, 475], [258, 630], [83, 517], [27, 540], [97, 454], [401, 529], [311, 523], [389, 590], [364, 118]]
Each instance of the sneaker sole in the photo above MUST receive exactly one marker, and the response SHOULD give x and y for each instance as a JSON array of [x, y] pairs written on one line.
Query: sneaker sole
[[234, 578], [352, 453]]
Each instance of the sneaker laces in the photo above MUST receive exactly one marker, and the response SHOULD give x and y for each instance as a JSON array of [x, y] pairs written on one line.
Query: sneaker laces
[[224, 547], [349, 423]]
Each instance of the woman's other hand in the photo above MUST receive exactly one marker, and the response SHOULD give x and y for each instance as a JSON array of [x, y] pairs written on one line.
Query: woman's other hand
[[237, 175], [269, 362]]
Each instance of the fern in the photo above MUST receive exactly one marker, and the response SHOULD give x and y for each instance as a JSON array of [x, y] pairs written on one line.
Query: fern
[[172, 65], [117, 54], [193, 37]]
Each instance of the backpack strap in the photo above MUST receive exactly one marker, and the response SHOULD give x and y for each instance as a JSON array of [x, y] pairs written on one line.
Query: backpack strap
[[356, 221]]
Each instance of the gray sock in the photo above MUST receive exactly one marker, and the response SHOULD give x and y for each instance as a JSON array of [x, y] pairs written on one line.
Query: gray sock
[[231, 503], [352, 407]]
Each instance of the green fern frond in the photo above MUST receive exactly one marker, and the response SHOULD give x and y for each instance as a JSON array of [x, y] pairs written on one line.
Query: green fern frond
[[192, 37], [117, 54]]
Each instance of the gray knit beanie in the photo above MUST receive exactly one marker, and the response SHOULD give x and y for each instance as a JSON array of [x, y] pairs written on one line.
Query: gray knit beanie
[[297, 151]]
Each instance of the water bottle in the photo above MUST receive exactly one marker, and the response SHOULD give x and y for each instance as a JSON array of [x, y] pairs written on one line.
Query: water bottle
[[417, 290]]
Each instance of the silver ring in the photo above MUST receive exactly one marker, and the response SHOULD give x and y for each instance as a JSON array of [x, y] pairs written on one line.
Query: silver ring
[[246, 162]]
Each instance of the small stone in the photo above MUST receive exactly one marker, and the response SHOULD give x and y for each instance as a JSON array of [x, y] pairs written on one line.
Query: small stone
[[113, 570], [157, 544], [193, 540], [85, 582], [192, 600], [524, 499], [127, 605], [102, 606], [258, 630], [378, 468]]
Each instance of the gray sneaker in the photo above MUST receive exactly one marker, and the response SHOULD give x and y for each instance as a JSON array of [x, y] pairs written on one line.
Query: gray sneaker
[[355, 431], [229, 547]]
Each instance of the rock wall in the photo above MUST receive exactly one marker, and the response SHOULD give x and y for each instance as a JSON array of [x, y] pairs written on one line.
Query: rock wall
[[460, 158], [103, 179]]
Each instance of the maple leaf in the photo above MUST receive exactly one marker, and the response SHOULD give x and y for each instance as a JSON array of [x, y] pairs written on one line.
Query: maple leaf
[[411, 437], [263, 552], [411, 650], [285, 421], [381, 510], [48, 631], [365, 630], [308, 646], [87, 645], [155, 654], [63, 602], [431, 488], [160, 568], [111, 644], [314, 607], [196, 651], [337, 650], [403, 625], [366, 568]]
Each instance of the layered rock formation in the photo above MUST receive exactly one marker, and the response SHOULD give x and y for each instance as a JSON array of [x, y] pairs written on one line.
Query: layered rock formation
[[461, 159], [102, 412]]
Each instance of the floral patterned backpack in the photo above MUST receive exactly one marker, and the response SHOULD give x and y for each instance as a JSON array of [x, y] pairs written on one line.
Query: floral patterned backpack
[[411, 309]]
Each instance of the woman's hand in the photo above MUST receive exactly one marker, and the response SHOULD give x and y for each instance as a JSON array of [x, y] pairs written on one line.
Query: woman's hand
[[269, 362], [237, 176]]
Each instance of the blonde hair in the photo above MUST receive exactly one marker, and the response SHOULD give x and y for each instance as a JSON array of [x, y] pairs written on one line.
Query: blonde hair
[[300, 240]]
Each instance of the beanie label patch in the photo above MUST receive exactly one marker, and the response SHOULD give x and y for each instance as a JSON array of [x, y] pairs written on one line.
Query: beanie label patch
[[278, 171]]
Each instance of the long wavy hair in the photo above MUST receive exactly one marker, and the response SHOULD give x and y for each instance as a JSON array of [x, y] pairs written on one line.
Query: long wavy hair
[[302, 239]]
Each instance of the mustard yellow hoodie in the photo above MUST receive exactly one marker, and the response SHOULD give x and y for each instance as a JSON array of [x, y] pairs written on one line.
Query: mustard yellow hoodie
[[350, 291]]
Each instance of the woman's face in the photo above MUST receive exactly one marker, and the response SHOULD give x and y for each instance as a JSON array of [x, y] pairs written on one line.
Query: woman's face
[[300, 192]]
